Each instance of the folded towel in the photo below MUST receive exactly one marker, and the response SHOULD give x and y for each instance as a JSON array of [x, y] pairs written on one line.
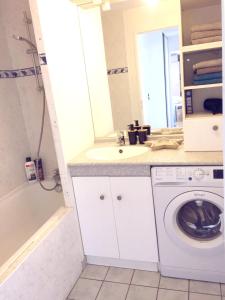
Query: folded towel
[[207, 81], [208, 76], [207, 40], [208, 70], [204, 34], [208, 63], [206, 27]]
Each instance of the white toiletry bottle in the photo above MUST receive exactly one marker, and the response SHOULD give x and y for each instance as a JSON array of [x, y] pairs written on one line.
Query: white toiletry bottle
[[30, 170]]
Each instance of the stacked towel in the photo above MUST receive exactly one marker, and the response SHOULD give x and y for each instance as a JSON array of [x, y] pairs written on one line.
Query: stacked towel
[[206, 33], [208, 72]]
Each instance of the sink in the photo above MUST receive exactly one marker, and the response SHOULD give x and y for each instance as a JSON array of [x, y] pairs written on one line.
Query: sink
[[115, 152]]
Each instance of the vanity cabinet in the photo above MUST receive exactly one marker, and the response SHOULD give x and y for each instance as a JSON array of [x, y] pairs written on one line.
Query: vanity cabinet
[[116, 216]]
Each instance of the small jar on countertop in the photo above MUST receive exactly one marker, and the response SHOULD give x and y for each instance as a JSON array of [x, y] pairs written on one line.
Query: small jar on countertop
[[142, 136]]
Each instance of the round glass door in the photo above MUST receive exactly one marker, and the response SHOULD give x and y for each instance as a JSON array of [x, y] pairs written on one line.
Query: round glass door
[[200, 219]]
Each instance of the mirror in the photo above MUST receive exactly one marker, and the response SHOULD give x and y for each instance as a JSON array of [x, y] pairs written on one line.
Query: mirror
[[142, 60], [158, 70]]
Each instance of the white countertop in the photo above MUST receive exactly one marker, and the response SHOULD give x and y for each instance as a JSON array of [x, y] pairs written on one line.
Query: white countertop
[[153, 158]]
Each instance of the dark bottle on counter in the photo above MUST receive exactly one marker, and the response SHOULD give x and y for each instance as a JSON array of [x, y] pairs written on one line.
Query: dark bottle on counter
[[148, 128], [136, 125], [142, 136], [132, 135]]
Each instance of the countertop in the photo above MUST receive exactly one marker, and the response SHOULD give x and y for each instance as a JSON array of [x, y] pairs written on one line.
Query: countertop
[[140, 165]]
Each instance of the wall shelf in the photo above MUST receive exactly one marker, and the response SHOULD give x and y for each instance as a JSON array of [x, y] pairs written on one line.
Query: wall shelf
[[202, 115], [203, 86], [202, 47]]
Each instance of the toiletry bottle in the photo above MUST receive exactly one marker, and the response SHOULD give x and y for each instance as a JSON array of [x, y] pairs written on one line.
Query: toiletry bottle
[[120, 138], [132, 135], [136, 125], [30, 170], [39, 169], [148, 128], [142, 136]]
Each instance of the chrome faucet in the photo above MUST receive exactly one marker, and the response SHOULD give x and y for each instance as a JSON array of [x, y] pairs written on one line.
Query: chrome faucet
[[120, 138]]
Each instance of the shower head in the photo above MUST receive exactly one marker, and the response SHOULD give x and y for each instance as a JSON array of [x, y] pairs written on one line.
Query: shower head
[[20, 38]]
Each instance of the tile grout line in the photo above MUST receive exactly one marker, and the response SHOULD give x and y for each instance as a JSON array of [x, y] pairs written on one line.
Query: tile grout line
[[130, 284], [157, 293], [102, 283], [188, 289]]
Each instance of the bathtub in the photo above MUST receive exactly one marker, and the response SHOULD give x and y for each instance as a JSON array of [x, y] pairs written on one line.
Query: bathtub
[[40, 251]]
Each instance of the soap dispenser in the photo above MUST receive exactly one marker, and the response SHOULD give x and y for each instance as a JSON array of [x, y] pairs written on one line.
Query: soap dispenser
[[132, 135], [136, 125]]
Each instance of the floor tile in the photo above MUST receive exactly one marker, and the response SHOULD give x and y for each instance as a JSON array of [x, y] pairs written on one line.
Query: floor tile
[[113, 291], [172, 295], [223, 289], [194, 296], [204, 287], [94, 272], [141, 293], [173, 283], [85, 289], [119, 275], [146, 278]]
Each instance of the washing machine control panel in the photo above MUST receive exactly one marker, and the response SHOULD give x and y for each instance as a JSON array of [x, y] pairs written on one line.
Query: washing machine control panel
[[188, 175]]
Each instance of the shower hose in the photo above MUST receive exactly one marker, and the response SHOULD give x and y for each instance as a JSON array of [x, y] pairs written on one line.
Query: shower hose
[[57, 187]]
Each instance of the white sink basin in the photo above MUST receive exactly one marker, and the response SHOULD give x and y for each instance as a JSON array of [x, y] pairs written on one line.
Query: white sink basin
[[115, 152]]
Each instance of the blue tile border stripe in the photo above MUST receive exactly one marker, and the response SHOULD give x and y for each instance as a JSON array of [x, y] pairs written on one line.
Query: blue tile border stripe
[[117, 71], [19, 73]]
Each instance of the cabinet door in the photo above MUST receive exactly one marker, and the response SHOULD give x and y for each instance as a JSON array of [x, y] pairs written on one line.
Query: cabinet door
[[95, 211], [203, 133], [135, 219]]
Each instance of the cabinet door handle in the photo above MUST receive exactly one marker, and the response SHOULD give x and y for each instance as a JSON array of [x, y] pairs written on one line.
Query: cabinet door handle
[[102, 197], [119, 197], [215, 127]]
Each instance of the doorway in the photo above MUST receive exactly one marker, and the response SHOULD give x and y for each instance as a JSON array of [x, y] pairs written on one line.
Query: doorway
[[159, 72]]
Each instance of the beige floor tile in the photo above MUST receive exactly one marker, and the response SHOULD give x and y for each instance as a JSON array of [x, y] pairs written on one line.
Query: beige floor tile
[[173, 283], [119, 275], [85, 289], [223, 289], [146, 278], [204, 287], [193, 296], [141, 293], [113, 291], [172, 295], [94, 272]]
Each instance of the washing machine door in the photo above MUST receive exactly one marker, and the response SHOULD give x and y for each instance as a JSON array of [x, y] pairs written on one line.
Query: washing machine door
[[194, 220]]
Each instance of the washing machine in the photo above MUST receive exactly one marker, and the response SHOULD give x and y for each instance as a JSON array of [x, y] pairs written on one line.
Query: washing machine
[[189, 218]]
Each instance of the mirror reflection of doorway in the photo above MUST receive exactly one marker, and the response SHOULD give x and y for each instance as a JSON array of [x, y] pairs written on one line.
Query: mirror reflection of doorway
[[159, 72]]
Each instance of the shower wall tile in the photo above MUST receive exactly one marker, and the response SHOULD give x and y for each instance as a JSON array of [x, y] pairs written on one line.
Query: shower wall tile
[[14, 145], [19, 65]]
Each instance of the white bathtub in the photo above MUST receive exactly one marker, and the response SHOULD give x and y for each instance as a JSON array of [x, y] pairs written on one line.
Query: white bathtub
[[22, 212], [40, 253]]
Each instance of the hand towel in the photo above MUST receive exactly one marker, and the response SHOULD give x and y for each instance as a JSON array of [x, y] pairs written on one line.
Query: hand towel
[[208, 70], [204, 34], [207, 81], [208, 76], [206, 27], [207, 40], [208, 63]]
